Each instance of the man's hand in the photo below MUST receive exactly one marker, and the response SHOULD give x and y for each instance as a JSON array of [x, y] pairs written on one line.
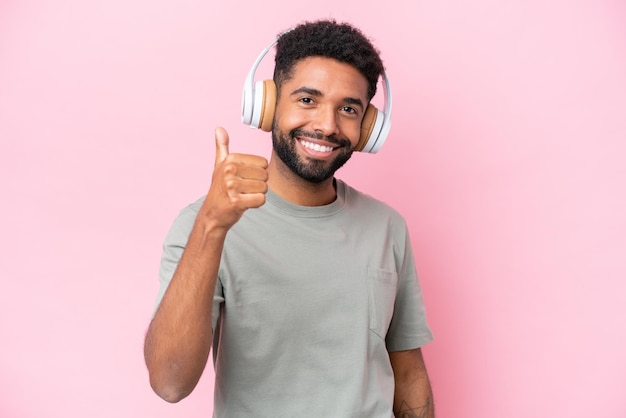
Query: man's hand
[[239, 183]]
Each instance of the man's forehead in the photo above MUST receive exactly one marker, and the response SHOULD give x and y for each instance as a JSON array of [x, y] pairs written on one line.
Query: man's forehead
[[322, 74]]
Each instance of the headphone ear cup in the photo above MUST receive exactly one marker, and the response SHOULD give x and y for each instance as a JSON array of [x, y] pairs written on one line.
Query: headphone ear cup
[[268, 106], [247, 104], [367, 127], [258, 105]]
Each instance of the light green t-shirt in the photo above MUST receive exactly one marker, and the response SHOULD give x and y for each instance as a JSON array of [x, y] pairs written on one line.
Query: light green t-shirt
[[308, 303]]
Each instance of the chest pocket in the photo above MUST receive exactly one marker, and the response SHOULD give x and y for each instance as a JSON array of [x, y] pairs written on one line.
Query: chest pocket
[[382, 286]]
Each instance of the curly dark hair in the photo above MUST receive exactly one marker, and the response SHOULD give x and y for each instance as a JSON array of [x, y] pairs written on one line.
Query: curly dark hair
[[327, 38]]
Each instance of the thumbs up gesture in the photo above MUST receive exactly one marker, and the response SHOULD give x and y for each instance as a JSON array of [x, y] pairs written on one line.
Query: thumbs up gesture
[[239, 183]]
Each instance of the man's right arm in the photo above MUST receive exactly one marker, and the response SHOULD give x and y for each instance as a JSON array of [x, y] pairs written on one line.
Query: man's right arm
[[179, 337]]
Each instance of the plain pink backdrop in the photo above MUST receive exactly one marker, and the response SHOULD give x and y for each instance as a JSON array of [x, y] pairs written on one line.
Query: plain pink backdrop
[[506, 157]]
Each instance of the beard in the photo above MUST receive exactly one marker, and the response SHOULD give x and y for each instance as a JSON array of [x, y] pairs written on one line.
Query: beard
[[308, 168]]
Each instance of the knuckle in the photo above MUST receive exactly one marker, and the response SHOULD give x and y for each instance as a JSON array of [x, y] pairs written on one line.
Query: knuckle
[[229, 167], [230, 184]]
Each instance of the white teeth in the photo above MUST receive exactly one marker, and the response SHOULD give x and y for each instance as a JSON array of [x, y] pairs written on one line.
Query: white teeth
[[316, 147]]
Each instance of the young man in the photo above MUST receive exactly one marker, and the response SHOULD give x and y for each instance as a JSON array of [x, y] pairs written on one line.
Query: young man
[[304, 287]]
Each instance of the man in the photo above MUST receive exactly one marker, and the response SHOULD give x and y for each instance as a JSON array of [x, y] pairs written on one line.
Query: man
[[304, 287]]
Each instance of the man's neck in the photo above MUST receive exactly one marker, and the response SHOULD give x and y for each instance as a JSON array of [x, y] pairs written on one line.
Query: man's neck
[[293, 188]]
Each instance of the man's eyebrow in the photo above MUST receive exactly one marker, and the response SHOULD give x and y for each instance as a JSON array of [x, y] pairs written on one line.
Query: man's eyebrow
[[354, 101], [307, 90], [317, 93]]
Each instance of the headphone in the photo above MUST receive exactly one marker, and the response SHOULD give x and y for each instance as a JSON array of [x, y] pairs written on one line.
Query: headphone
[[258, 104]]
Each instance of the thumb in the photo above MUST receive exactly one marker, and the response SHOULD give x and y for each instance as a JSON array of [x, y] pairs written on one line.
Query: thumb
[[221, 145]]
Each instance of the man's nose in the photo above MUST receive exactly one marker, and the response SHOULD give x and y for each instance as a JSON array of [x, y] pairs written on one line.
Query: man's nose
[[326, 121]]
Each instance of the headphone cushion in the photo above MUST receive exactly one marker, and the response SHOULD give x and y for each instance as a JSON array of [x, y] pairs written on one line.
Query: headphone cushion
[[269, 105], [367, 126]]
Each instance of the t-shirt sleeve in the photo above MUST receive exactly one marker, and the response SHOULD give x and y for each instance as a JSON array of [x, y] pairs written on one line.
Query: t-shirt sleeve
[[173, 248], [409, 328]]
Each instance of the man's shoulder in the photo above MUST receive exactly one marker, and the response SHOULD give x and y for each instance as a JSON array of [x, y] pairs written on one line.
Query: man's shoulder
[[187, 215], [192, 209], [358, 199]]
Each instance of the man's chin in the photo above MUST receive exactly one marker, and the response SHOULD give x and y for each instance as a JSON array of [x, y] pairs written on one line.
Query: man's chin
[[317, 171]]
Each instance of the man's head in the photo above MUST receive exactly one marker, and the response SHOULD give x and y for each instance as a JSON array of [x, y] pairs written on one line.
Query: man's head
[[327, 38], [325, 75]]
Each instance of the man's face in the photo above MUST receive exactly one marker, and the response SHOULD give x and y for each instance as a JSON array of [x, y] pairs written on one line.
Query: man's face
[[318, 117]]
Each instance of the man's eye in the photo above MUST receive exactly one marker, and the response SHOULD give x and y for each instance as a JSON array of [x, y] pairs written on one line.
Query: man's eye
[[306, 100], [348, 109]]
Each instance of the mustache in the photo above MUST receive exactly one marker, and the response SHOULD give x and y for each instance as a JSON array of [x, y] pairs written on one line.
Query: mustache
[[333, 139]]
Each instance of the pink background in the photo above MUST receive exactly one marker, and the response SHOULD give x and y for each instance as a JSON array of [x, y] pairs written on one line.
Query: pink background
[[506, 157]]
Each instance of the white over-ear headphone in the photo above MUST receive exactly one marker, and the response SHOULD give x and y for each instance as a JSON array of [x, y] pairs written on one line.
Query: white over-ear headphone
[[258, 104]]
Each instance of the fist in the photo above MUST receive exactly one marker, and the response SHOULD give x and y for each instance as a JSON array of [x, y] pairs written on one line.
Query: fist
[[239, 183]]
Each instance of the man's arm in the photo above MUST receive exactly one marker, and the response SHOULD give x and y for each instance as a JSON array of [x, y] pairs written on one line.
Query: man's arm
[[413, 396], [179, 337]]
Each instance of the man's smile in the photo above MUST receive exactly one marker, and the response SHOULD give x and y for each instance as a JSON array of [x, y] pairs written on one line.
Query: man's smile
[[326, 149]]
